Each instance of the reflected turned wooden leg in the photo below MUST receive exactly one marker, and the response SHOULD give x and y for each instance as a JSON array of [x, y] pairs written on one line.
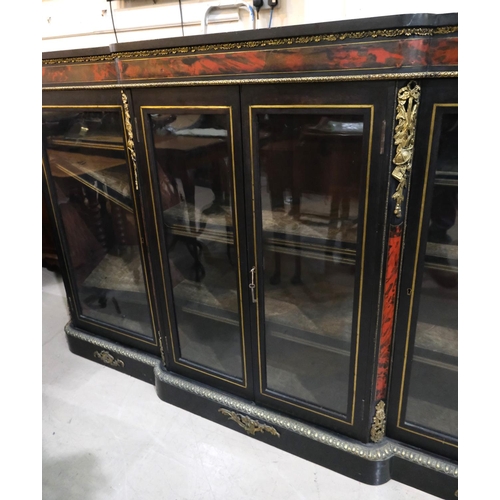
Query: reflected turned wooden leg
[[95, 209]]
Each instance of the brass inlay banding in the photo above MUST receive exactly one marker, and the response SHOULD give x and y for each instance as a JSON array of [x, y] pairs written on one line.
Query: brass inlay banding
[[177, 360], [370, 107], [250, 425], [84, 319], [399, 424]]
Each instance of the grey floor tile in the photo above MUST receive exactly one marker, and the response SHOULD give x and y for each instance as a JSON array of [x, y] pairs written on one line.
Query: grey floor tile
[[108, 436]]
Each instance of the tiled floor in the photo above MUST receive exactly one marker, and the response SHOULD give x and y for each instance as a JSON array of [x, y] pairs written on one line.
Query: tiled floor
[[108, 436]]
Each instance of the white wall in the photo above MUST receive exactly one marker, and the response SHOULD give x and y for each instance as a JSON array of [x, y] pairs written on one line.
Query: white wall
[[72, 24]]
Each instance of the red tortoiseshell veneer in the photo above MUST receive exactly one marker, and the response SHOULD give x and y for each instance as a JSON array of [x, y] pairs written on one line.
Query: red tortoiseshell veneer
[[74, 73], [389, 55], [388, 309]]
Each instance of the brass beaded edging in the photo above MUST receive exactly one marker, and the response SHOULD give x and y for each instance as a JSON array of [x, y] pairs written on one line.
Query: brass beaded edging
[[115, 348], [373, 452], [252, 44]]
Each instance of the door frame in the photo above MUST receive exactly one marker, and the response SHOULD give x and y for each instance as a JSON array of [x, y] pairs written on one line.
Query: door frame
[[103, 99], [223, 99], [378, 100], [436, 95]]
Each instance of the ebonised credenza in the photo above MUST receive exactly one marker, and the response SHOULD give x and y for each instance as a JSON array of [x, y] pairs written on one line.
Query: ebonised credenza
[[264, 226]]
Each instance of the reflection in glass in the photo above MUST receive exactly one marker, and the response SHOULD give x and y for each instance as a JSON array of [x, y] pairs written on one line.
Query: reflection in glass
[[88, 164], [433, 392], [194, 164], [310, 171]]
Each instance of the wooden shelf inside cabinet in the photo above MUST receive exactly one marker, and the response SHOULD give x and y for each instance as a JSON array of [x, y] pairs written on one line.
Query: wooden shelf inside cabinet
[[282, 234], [107, 175], [286, 234], [104, 142]]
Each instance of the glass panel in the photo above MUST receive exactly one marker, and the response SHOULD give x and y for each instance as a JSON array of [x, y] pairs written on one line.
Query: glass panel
[[195, 175], [433, 390], [88, 164], [310, 175]]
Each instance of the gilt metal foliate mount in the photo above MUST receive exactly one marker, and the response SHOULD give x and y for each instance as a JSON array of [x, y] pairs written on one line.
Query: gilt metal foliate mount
[[130, 138], [109, 359], [404, 139], [378, 427], [251, 426]]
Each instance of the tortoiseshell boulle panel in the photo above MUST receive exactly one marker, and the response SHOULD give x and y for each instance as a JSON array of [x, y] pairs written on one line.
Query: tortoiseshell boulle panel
[[339, 57], [85, 72], [325, 51]]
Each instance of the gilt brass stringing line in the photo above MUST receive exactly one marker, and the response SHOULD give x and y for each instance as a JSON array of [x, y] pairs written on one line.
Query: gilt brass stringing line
[[251, 110], [378, 426], [254, 227], [237, 242], [363, 254], [250, 425], [127, 124], [410, 314], [424, 193], [144, 110], [130, 139], [273, 42], [84, 319], [156, 227], [404, 139]]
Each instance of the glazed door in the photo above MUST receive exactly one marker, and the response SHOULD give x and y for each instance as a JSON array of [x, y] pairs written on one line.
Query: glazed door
[[192, 151], [316, 162], [93, 193], [423, 397]]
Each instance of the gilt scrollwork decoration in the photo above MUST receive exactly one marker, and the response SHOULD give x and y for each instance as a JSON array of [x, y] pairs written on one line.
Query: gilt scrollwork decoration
[[404, 139], [251, 426], [378, 427], [109, 359], [130, 138]]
